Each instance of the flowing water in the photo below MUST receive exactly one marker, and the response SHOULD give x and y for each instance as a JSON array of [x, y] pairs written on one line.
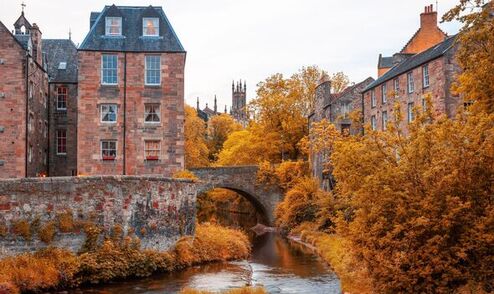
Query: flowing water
[[280, 265]]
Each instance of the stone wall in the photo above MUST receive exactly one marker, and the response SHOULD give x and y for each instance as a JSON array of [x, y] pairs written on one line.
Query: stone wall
[[156, 209]]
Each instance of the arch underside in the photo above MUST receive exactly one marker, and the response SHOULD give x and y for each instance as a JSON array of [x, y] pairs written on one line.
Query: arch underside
[[258, 206]]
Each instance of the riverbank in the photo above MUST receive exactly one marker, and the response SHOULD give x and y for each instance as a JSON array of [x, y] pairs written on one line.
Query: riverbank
[[117, 258], [335, 251]]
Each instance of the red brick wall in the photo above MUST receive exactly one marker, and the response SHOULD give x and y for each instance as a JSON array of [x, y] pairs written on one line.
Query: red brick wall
[[441, 73], [170, 96], [13, 110], [428, 35]]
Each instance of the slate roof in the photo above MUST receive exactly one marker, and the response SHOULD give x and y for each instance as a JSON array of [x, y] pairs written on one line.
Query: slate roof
[[348, 90], [131, 39], [61, 50], [415, 61], [385, 62], [23, 40]]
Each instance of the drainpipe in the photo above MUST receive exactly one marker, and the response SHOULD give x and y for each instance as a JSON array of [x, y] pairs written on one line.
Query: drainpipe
[[125, 114], [48, 101], [27, 116], [363, 116]]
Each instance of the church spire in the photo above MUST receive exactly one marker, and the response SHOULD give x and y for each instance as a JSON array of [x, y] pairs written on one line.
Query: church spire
[[215, 105], [197, 104]]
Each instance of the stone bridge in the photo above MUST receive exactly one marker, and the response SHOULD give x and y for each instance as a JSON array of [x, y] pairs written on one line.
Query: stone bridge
[[241, 179]]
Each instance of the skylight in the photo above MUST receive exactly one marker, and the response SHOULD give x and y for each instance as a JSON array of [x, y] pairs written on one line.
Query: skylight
[[62, 65]]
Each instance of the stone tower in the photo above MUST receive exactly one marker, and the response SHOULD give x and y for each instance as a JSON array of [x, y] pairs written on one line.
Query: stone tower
[[239, 102]]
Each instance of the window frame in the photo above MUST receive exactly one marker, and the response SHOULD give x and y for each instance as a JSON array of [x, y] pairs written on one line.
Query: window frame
[[410, 114], [410, 83], [30, 154], [59, 139], [425, 76], [103, 69], [157, 27], [384, 89], [157, 113], [148, 157], [396, 85], [59, 94], [153, 69], [108, 157], [373, 98], [108, 26], [102, 113], [373, 123]]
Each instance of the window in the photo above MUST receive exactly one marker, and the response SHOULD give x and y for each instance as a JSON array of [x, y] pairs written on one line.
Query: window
[[113, 26], [150, 26], [424, 105], [108, 149], [30, 153], [410, 83], [345, 109], [385, 120], [30, 122], [109, 69], [384, 97], [152, 149], [45, 130], [152, 113], [31, 89], [373, 98], [61, 142], [109, 113], [410, 112], [373, 122], [61, 98], [62, 65], [397, 85], [425, 75], [153, 70]]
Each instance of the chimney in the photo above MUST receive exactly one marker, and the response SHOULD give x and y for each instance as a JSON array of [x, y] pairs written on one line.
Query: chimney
[[428, 19], [36, 37]]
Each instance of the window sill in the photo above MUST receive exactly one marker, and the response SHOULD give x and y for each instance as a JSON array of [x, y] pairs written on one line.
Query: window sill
[[109, 159], [62, 154], [109, 85], [152, 86]]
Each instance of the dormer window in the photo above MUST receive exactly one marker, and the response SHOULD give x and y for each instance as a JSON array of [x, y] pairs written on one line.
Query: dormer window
[[150, 26], [113, 26]]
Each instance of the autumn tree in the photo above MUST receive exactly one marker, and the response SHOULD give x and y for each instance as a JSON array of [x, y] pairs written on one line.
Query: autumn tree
[[475, 54], [339, 82], [219, 128], [196, 150]]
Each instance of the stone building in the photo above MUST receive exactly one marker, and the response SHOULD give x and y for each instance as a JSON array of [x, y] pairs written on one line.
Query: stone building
[[428, 35], [413, 77], [24, 101], [239, 103], [130, 94], [207, 113], [61, 58], [335, 107]]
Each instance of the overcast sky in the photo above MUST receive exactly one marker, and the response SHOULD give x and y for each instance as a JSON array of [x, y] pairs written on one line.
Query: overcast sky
[[252, 39]]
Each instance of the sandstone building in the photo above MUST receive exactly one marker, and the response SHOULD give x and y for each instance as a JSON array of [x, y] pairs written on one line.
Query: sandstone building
[[336, 108], [425, 67], [24, 101], [130, 94]]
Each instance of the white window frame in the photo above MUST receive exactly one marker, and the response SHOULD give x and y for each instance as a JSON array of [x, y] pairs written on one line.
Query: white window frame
[[373, 123], [103, 69], [153, 69], [31, 90], [157, 112], [30, 123], [102, 113], [410, 83], [373, 98], [345, 109], [425, 76], [384, 97], [410, 114], [30, 153], [396, 84], [384, 120], [108, 26], [153, 150], [101, 148], [62, 94], [57, 141], [144, 26]]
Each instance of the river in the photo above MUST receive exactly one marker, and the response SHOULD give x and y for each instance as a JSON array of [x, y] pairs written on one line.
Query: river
[[280, 265]]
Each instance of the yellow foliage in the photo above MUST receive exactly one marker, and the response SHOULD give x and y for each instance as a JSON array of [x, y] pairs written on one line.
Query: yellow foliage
[[196, 150], [219, 128], [185, 174], [22, 228], [47, 232], [285, 175], [66, 222]]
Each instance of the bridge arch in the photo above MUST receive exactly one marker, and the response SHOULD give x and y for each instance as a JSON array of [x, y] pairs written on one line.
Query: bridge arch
[[242, 180]]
